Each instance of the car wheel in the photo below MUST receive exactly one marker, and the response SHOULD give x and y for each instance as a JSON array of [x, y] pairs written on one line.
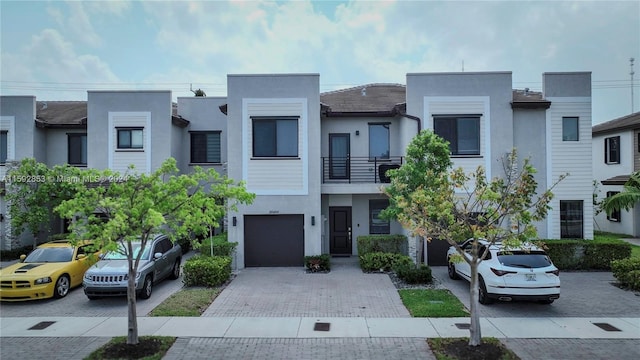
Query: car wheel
[[483, 297], [545, 302], [451, 269], [175, 273], [147, 288], [62, 287]]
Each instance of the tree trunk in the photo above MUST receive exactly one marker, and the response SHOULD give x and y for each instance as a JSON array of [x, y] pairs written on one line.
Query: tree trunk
[[475, 336], [132, 328]]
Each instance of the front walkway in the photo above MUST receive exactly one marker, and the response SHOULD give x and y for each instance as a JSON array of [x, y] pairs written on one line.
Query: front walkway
[[291, 292]]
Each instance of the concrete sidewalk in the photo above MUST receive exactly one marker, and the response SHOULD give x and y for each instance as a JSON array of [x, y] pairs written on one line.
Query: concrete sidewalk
[[303, 327]]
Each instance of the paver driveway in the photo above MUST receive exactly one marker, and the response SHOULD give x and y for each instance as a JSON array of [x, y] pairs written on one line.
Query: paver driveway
[[286, 292]]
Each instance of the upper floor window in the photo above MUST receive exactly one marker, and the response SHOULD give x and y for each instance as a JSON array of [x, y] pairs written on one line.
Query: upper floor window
[[570, 129], [130, 138], [639, 142], [379, 141], [275, 137], [571, 219], [205, 147], [4, 146], [77, 148], [461, 131], [612, 150], [615, 215], [378, 225]]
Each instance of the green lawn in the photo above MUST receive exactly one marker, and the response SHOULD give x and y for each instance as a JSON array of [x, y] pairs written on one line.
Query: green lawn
[[187, 302], [601, 236], [432, 303]]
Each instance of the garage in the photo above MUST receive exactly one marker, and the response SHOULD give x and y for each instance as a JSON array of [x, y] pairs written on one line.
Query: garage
[[273, 240]]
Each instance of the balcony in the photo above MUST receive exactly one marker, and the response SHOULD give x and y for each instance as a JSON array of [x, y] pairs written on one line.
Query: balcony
[[358, 170]]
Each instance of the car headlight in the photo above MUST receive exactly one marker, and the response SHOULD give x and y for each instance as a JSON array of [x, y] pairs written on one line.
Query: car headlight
[[44, 280]]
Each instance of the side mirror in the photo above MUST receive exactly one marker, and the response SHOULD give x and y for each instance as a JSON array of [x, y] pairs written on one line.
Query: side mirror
[[157, 255], [81, 256], [22, 257]]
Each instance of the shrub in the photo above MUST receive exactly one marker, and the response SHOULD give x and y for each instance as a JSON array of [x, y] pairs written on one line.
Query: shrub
[[565, 254], [599, 254], [412, 274], [585, 254], [382, 243], [221, 246], [185, 244], [381, 261], [627, 272], [208, 271], [317, 263], [14, 254]]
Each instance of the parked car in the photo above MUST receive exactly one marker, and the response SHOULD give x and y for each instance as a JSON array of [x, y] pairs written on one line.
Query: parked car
[[108, 277], [525, 273], [50, 270]]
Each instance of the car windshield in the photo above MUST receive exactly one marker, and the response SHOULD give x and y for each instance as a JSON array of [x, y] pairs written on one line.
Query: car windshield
[[119, 255], [50, 254], [522, 259]]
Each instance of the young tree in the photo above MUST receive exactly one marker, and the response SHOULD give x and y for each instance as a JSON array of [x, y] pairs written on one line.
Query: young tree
[[427, 158], [34, 190], [626, 199], [118, 209], [460, 205]]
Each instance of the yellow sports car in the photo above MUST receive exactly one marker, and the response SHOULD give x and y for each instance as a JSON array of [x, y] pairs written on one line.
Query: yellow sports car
[[49, 271]]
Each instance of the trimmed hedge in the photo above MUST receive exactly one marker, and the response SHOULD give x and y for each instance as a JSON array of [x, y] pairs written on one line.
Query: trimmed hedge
[[14, 254], [627, 272], [585, 254], [221, 246], [412, 274], [396, 244], [207, 271], [382, 261], [318, 263]]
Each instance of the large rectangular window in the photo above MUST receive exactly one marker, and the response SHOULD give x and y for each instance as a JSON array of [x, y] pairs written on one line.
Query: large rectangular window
[[275, 137], [130, 138], [77, 149], [615, 215], [4, 146], [379, 141], [570, 129], [461, 131], [376, 224], [205, 147], [571, 219], [612, 150]]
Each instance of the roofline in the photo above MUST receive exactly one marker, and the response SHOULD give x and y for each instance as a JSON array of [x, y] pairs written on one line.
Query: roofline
[[362, 86], [45, 125], [270, 75], [203, 97], [565, 72], [616, 129], [461, 73], [128, 91]]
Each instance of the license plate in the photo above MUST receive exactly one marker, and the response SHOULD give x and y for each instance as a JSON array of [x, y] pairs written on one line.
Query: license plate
[[530, 277]]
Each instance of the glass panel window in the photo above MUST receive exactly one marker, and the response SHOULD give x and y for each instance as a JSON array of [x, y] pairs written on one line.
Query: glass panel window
[[376, 224], [4, 146], [615, 215], [570, 129], [77, 150], [130, 139], [205, 147], [462, 133], [571, 219], [275, 137], [612, 150], [379, 141]]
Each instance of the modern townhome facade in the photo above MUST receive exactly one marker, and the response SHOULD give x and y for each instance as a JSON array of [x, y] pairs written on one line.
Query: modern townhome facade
[[317, 162], [616, 154]]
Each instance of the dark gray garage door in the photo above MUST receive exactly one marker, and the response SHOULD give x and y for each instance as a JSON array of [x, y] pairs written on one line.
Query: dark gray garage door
[[273, 240]]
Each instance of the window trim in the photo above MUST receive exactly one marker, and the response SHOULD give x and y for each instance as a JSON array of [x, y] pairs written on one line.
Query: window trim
[[6, 147], [276, 156], [581, 202], [69, 137], [451, 117], [577, 127], [607, 151], [206, 132], [376, 204], [616, 215], [130, 129]]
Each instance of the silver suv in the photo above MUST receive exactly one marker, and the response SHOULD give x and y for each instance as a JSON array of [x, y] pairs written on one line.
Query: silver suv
[[108, 277]]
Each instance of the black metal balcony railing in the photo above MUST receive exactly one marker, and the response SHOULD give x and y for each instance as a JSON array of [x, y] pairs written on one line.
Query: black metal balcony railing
[[349, 170]]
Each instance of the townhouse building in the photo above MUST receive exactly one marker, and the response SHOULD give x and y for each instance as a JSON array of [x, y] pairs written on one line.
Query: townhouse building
[[317, 161], [616, 154]]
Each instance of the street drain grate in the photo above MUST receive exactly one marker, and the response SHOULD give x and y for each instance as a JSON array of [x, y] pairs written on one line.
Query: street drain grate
[[463, 326], [42, 325], [606, 327], [321, 326]]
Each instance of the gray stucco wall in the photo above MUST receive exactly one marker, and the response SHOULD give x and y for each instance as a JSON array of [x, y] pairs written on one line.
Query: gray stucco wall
[[57, 145], [306, 86], [23, 108], [567, 84], [100, 103]]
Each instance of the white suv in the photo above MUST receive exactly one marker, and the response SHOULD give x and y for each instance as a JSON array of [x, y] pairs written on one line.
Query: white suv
[[514, 274]]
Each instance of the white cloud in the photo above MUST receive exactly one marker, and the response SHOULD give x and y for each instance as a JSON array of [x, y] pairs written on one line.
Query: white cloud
[[76, 23]]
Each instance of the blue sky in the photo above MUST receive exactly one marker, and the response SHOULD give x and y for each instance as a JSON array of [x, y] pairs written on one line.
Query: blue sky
[[57, 50]]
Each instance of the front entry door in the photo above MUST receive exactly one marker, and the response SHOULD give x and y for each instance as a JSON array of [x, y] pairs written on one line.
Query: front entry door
[[340, 230]]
